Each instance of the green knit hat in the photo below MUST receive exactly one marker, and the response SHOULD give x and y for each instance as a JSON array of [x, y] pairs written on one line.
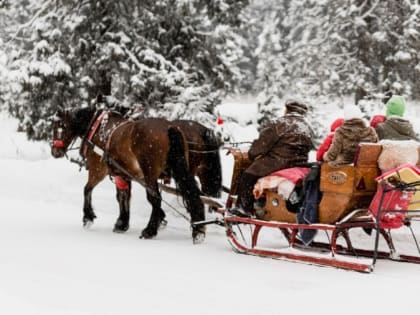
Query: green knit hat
[[395, 106]]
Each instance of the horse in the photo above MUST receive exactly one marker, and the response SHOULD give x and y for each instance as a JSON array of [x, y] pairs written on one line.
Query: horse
[[204, 155], [127, 150], [203, 147]]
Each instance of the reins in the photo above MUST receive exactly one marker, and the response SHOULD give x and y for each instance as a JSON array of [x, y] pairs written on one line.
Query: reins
[[201, 151], [82, 162]]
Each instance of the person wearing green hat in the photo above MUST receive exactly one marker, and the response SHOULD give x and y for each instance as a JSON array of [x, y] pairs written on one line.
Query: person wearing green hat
[[395, 127]]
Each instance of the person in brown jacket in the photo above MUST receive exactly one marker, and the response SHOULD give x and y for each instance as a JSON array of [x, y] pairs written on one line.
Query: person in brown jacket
[[281, 144], [348, 136]]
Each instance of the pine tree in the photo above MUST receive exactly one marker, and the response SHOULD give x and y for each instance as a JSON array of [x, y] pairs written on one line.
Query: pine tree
[[175, 57]]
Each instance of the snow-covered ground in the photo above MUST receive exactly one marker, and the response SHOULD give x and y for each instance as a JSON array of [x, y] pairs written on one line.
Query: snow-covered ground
[[50, 265]]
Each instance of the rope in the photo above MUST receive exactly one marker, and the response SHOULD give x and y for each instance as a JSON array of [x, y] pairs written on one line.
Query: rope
[[203, 152], [174, 209], [202, 144], [235, 144]]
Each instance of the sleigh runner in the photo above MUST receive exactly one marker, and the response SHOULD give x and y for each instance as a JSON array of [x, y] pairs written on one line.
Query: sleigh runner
[[348, 192]]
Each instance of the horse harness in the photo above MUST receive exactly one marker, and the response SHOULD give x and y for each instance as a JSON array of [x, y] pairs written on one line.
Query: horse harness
[[99, 120]]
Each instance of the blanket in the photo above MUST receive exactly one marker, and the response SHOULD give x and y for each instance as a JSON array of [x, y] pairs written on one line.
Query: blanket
[[284, 181], [396, 153]]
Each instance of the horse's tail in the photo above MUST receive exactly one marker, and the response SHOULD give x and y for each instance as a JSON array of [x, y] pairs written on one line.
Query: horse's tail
[[213, 164], [177, 162]]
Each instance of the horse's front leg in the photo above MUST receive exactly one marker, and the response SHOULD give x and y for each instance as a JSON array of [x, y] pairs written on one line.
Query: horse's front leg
[[157, 217], [96, 175], [123, 197], [88, 213]]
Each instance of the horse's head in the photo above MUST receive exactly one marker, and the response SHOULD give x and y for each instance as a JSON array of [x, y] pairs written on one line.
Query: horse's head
[[62, 133], [67, 125]]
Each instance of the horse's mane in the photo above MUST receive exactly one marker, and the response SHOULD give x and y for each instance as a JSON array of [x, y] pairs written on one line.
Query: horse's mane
[[81, 118]]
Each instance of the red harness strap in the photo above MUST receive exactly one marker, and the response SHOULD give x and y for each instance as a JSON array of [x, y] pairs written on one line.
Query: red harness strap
[[120, 183], [92, 130], [58, 144]]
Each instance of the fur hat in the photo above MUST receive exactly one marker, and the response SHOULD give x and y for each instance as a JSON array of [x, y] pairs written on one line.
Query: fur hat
[[395, 106], [352, 111], [296, 107]]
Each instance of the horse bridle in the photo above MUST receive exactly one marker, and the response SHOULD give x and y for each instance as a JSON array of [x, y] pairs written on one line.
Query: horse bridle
[[58, 141]]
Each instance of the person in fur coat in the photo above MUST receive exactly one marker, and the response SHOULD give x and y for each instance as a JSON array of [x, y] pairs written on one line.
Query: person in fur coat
[[395, 127], [348, 136], [282, 144]]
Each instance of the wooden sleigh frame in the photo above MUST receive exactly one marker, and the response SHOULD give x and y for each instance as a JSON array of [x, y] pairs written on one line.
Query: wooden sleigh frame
[[347, 192]]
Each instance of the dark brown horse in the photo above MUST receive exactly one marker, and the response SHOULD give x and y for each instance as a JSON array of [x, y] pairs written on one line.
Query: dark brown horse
[[129, 150], [204, 155], [203, 145]]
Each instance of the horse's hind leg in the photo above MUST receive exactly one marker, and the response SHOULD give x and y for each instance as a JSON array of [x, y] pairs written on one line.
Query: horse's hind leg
[[123, 197], [186, 182], [191, 195], [157, 216]]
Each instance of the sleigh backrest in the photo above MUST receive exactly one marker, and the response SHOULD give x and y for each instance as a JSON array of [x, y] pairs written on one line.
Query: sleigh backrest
[[348, 187], [404, 174], [241, 162]]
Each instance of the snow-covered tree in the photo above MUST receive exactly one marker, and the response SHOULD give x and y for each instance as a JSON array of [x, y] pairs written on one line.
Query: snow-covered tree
[[173, 56], [360, 47]]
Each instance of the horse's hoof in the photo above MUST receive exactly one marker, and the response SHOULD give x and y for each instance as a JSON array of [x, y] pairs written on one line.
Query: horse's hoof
[[163, 224], [198, 234], [147, 234], [120, 227], [198, 237], [87, 224]]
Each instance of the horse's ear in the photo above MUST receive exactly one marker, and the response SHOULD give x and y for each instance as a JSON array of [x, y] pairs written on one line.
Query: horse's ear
[[99, 98]]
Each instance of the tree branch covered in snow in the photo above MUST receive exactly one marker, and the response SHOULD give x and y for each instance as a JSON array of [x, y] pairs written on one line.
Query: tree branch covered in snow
[[147, 52]]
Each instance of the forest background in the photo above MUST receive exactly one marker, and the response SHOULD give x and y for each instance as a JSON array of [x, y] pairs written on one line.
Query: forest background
[[180, 58]]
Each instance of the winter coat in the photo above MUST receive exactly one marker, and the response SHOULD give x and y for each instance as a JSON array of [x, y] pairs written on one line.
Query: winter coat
[[282, 144], [347, 139], [396, 128], [328, 140]]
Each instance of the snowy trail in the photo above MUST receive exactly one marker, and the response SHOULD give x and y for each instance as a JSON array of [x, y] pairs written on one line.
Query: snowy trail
[[50, 264]]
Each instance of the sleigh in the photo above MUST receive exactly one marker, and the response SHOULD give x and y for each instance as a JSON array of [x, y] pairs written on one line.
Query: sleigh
[[362, 215]]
